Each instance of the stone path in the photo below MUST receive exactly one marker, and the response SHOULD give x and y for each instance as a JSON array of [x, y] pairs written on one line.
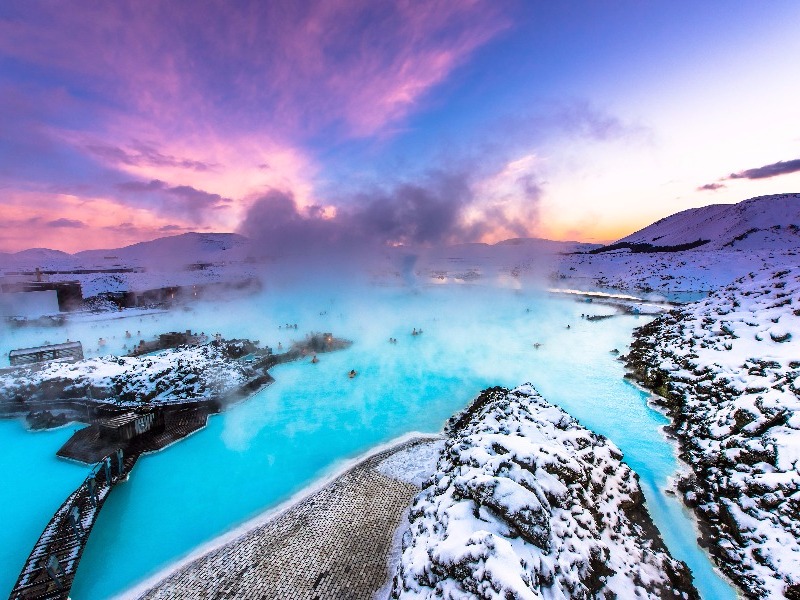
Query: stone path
[[332, 545]]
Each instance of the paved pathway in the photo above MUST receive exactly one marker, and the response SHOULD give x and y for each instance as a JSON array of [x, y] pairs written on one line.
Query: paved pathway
[[332, 545]]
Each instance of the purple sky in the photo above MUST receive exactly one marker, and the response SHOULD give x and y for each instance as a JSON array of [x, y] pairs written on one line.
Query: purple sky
[[407, 122]]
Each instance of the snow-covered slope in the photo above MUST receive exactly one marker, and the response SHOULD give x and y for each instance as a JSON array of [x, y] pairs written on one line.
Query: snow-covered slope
[[729, 369], [771, 222], [525, 503], [39, 254], [168, 261], [757, 233], [167, 252], [667, 272]]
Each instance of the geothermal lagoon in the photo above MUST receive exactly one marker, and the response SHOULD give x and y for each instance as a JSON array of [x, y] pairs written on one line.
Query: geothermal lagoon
[[314, 418]]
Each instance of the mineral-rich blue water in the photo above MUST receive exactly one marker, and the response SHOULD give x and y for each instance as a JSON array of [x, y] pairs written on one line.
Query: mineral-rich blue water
[[262, 451]]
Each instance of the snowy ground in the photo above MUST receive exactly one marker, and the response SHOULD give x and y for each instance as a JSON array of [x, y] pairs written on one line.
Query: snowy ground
[[413, 464], [728, 367], [668, 272], [526, 503]]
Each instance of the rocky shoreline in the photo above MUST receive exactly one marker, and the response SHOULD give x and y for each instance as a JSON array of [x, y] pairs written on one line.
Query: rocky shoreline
[[728, 380], [527, 503]]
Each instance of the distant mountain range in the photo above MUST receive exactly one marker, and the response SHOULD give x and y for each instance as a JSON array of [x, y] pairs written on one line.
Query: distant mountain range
[[766, 222], [167, 252], [190, 248], [183, 249]]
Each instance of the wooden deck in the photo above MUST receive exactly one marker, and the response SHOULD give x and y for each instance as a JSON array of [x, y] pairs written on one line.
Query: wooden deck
[[87, 446]]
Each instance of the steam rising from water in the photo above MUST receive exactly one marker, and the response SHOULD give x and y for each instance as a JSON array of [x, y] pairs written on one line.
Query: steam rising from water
[[444, 208]]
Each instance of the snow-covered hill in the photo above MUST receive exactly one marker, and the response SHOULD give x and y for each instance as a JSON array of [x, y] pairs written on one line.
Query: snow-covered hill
[[526, 503], [742, 237], [729, 370], [765, 222], [755, 234], [181, 260], [669, 273], [39, 255], [167, 252], [172, 251]]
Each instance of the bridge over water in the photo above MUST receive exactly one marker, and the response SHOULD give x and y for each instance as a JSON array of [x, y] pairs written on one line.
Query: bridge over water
[[50, 569]]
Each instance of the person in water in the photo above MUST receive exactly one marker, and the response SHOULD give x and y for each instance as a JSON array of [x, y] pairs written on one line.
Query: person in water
[[314, 359], [352, 373]]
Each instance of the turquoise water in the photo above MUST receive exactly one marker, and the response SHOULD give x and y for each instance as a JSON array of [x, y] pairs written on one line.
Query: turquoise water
[[262, 451], [34, 484]]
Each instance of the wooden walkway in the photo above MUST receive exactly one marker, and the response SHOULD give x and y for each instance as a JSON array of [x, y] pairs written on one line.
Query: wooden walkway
[[50, 569]]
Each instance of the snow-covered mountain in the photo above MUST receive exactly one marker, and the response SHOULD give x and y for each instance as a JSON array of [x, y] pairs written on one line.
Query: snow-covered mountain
[[666, 257], [176, 250], [40, 254], [171, 251], [765, 222], [723, 241], [180, 260]]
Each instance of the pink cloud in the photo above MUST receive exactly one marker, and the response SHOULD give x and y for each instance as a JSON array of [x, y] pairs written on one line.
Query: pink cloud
[[46, 220], [293, 67], [201, 96]]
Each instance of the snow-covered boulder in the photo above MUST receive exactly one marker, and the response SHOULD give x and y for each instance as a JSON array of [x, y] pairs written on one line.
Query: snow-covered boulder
[[727, 368], [526, 503]]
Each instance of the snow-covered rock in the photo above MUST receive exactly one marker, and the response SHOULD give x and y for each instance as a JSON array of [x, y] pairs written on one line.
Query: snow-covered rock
[[727, 368], [526, 503], [184, 373]]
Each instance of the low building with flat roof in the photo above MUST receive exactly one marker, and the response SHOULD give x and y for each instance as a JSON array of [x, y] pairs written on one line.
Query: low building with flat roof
[[66, 352], [126, 426]]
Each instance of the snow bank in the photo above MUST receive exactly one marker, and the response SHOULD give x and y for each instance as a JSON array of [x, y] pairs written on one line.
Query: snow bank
[[526, 503], [728, 369]]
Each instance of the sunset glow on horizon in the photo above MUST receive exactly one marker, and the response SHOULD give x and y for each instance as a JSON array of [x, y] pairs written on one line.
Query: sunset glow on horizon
[[422, 122]]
